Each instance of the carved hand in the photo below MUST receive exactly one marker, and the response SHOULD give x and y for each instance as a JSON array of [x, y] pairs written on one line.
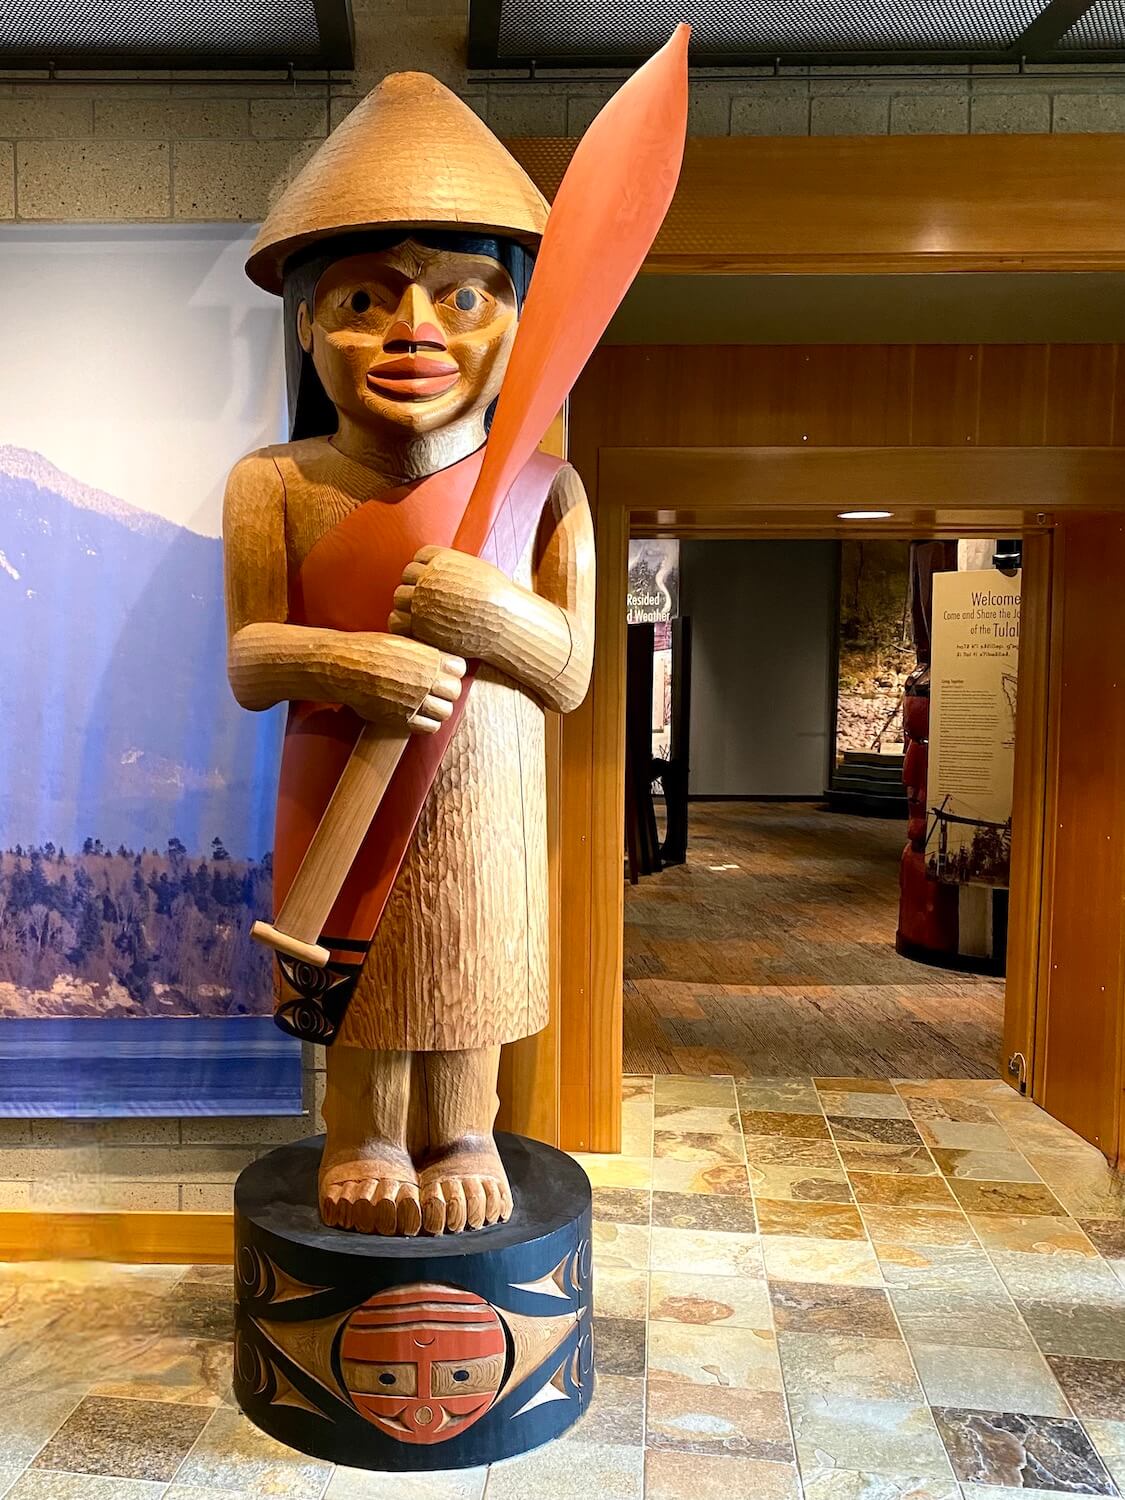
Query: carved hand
[[455, 602], [399, 669]]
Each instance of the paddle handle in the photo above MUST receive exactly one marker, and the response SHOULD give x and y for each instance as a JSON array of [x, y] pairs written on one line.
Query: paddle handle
[[298, 925]]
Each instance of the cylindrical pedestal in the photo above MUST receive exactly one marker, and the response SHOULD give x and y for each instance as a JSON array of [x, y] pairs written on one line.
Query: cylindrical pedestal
[[410, 1354]]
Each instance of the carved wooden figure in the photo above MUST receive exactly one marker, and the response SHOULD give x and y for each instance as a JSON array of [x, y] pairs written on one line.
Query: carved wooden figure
[[343, 602], [382, 563]]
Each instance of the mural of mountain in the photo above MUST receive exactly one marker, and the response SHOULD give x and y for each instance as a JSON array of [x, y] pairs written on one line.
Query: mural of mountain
[[118, 722]]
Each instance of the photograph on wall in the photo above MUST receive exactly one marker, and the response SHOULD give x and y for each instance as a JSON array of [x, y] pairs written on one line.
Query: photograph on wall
[[654, 581], [976, 632], [136, 797], [875, 652]]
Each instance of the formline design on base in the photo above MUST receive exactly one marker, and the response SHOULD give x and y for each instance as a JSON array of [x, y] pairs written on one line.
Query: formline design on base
[[401, 1354]]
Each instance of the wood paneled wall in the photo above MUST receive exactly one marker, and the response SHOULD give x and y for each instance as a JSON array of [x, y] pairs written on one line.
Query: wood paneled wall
[[1079, 1030], [894, 396]]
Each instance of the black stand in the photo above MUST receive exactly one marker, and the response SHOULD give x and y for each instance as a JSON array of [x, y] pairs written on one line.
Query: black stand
[[412, 1354]]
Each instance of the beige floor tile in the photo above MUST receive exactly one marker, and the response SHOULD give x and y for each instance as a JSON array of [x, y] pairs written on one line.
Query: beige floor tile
[[934, 1268], [706, 1253], [623, 1247], [570, 1470], [853, 1484], [674, 1476], [879, 1156], [795, 1096], [989, 1379], [717, 1420], [620, 1292], [616, 1171], [196, 1371], [232, 1454], [728, 1179], [844, 1104], [834, 1262], [918, 1226], [742, 1357], [830, 1221], [713, 1301], [961, 1318], [963, 1136], [703, 1119], [1031, 1234], [448, 1484], [43, 1485], [704, 1093], [1062, 1277], [890, 1437], [800, 1182], [831, 1364], [1109, 1439], [987, 1166]]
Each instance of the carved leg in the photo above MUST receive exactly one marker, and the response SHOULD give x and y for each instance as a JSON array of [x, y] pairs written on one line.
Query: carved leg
[[367, 1177], [462, 1181]]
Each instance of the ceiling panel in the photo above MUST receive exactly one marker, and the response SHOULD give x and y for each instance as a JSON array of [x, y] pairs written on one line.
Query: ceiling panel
[[565, 33], [169, 33]]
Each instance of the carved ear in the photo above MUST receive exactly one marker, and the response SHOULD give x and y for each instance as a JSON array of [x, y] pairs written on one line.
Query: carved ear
[[304, 326]]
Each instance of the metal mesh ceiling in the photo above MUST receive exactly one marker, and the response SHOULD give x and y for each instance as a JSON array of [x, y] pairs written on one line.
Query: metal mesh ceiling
[[557, 28], [165, 28], [1101, 29]]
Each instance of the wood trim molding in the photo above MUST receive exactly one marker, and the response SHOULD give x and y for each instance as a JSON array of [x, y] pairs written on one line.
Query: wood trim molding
[[152, 1238], [882, 204]]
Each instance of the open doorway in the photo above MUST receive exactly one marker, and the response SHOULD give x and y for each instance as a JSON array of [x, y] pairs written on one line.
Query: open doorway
[[808, 891]]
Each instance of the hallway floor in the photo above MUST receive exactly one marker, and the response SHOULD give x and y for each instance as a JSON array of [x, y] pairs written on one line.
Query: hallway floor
[[772, 951], [838, 1289]]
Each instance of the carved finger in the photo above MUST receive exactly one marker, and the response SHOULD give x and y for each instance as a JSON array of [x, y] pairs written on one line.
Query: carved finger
[[385, 1213], [413, 572], [434, 707], [447, 687], [455, 1211], [403, 595], [492, 1200], [455, 666], [409, 1209], [433, 1210], [427, 554], [419, 723], [474, 1202], [398, 623]]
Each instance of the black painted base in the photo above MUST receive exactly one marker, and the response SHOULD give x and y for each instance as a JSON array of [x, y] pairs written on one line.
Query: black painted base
[[413, 1354]]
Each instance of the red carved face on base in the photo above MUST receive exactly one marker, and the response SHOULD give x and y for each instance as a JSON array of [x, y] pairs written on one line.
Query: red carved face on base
[[423, 1362]]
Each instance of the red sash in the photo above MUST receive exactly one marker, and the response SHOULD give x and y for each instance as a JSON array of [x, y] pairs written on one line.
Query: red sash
[[347, 582]]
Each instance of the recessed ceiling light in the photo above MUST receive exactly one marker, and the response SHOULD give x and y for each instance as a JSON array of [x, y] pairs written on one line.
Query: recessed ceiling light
[[863, 515]]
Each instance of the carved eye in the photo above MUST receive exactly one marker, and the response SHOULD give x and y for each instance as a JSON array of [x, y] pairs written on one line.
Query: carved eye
[[386, 1379], [460, 1374], [360, 302], [466, 299]]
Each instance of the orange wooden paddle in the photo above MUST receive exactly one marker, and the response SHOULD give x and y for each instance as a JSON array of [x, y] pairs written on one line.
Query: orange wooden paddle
[[606, 214]]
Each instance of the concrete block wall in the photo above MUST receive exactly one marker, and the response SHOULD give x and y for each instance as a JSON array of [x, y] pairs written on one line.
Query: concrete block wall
[[200, 150]]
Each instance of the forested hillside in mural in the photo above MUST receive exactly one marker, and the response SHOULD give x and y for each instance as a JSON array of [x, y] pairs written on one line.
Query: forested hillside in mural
[[118, 932]]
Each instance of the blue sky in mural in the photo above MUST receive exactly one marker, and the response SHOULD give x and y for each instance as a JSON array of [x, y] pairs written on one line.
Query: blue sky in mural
[[136, 798]]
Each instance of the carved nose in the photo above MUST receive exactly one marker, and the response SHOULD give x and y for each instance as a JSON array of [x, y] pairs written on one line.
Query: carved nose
[[403, 337], [415, 323]]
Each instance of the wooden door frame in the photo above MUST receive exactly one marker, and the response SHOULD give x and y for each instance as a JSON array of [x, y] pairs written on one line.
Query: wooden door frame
[[787, 492]]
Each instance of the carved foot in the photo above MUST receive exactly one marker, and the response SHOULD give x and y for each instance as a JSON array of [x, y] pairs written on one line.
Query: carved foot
[[464, 1187], [374, 1194]]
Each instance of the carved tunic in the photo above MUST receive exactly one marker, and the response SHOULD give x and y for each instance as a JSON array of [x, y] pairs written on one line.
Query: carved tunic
[[459, 959]]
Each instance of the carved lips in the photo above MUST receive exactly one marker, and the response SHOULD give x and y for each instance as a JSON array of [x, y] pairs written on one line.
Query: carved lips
[[414, 377]]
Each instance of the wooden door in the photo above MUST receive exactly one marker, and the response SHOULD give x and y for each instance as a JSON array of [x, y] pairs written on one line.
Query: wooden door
[[1079, 1032]]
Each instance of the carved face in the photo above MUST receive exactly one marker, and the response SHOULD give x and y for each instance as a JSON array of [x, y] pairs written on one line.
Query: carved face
[[411, 337], [423, 1362]]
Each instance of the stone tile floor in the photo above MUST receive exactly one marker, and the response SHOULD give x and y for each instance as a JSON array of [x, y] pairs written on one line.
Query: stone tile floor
[[846, 1288]]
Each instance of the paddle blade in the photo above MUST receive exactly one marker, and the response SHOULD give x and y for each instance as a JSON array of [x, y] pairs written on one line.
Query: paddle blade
[[606, 214]]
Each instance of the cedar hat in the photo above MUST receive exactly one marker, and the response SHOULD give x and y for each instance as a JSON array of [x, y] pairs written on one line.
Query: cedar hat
[[411, 155]]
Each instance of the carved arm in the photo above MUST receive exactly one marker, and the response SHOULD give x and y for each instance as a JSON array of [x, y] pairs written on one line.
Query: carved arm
[[542, 636], [380, 676]]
